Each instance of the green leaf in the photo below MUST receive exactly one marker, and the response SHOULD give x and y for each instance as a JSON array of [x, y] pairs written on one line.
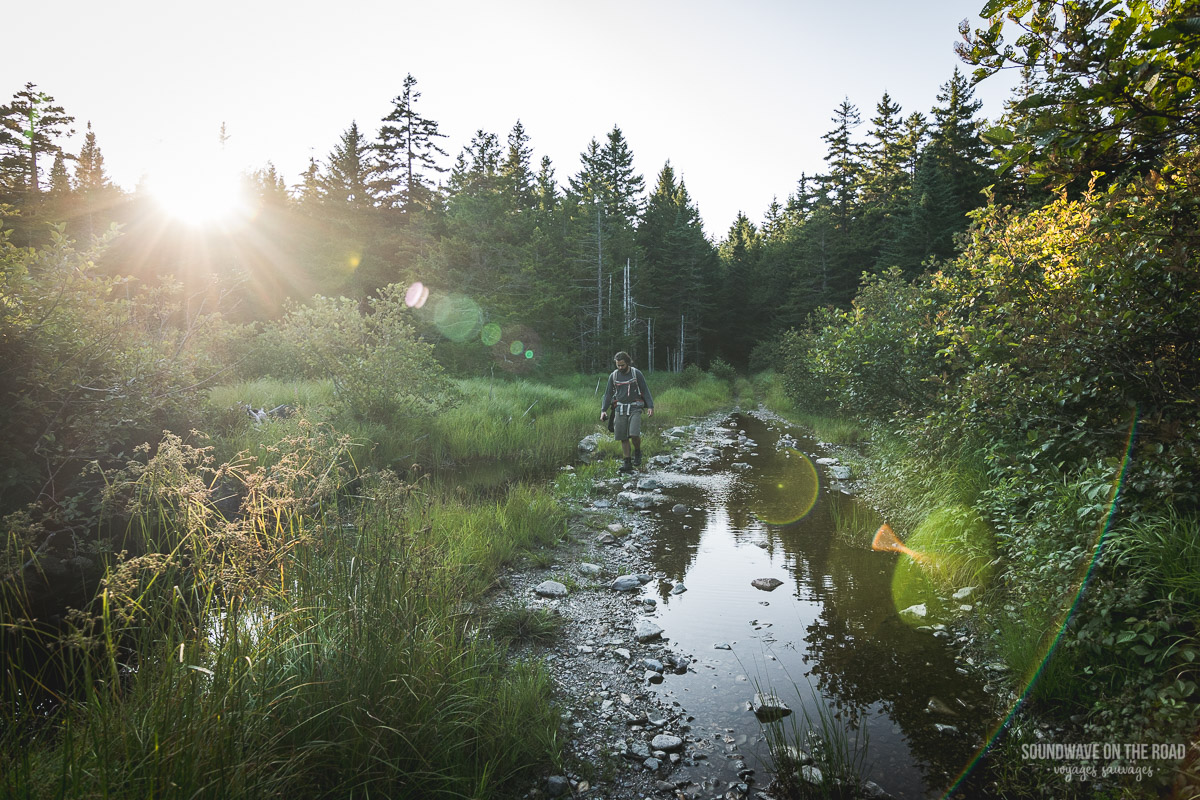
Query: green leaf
[[997, 136], [993, 8]]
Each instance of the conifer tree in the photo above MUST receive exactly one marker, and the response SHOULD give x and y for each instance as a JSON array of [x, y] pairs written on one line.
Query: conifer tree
[[347, 181], [547, 187], [60, 179], [844, 158], [957, 147], [680, 274], [311, 190], [407, 153], [90, 177], [32, 124], [517, 178]]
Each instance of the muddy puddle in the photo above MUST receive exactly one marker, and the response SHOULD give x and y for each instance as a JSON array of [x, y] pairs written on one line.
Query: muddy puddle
[[829, 633]]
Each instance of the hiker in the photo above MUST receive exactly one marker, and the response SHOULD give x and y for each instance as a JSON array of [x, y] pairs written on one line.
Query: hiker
[[626, 395]]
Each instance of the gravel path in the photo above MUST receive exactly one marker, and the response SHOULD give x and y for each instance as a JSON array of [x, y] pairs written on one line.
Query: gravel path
[[623, 741]]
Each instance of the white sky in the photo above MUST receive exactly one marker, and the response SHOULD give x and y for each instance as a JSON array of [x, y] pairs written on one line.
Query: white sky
[[736, 93]]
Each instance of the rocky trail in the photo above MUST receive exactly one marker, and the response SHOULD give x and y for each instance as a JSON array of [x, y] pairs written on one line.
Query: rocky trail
[[625, 740]]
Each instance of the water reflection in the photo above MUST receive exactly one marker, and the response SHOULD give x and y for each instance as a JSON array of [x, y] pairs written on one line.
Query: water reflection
[[830, 630]]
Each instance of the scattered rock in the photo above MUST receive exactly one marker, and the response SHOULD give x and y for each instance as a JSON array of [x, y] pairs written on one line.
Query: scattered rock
[[936, 706], [666, 743], [679, 508], [588, 448], [766, 584], [645, 630], [627, 583], [552, 589], [918, 611], [636, 499], [557, 786], [812, 775], [768, 707]]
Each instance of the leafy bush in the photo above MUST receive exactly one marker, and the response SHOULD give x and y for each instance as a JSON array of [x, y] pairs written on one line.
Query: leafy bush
[[722, 370], [91, 365], [379, 369]]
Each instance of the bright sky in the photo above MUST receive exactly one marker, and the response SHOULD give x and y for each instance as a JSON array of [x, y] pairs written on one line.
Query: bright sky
[[736, 94]]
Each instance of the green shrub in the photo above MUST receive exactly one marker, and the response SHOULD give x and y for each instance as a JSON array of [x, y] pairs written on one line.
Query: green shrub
[[379, 369]]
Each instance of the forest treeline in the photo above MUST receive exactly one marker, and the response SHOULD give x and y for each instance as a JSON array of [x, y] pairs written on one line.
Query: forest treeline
[[602, 260], [1015, 301]]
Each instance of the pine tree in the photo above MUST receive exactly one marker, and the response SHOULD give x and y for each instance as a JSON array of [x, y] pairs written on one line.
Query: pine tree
[[407, 153], [269, 187], [886, 182], [956, 146], [60, 179], [90, 177], [841, 184], [477, 168], [608, 174], [347, 181], [33, 124], [311, 190], [547, 187], [679, 274], [516, 173]]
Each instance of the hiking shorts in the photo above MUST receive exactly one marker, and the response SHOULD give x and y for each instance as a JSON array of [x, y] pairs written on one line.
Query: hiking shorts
[[626, 425]]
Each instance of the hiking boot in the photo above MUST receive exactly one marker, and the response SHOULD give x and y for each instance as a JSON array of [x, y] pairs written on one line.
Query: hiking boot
[[637, 458], [627, 467]]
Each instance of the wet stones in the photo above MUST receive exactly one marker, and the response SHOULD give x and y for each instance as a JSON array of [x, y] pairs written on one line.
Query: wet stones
[[646, 630], [629, 583], [768, 707], [638, 500], [766, 584]]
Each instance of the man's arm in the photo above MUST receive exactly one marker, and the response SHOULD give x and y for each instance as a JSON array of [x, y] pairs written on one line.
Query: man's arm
[[646, 398]]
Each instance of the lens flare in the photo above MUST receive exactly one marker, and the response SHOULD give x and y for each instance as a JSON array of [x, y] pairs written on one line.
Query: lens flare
[[490, 334], [516, 347], [416, 295], [887, 541], [457, 317], [787, 490], [1065, 618]]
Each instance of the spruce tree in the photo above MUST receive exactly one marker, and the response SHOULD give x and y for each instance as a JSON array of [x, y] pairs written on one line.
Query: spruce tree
[[90, 177], [32, 124], [407, 153], [347, 181], [516, 173]]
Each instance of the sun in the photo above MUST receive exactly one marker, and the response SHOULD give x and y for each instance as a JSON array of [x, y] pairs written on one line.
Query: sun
[[201, 192]]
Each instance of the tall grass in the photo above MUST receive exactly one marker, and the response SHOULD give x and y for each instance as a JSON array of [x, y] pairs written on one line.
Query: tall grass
[[817, 754], [769, 389], [289, 651]]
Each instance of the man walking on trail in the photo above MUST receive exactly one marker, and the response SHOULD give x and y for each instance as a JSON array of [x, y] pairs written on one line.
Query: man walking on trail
[[627, 394]]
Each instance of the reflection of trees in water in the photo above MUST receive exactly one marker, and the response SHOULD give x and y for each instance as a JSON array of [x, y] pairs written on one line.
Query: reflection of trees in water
[[860, 653], [674, 548]]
